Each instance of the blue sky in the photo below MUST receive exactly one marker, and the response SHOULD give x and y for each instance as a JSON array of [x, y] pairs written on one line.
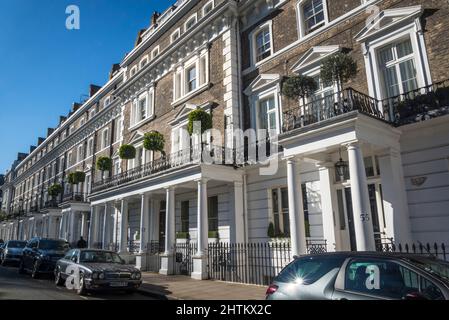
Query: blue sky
[[45, 67]]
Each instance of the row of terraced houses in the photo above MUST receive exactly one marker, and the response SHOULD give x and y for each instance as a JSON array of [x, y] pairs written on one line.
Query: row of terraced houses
[[358, 167]]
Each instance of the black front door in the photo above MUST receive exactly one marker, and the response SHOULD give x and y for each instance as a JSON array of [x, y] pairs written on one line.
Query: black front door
[[350, 213], [162, 225]]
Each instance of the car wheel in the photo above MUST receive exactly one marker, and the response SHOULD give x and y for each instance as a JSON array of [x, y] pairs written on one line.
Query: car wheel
[[82, 286], [58, 279], [35, 272], [21, 267]]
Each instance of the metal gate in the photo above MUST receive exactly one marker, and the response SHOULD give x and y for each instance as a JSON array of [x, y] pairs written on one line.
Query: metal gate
[[183, 264], [153, 258]]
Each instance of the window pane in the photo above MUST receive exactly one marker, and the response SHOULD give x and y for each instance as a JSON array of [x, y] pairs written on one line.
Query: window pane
[[313, 14], [391, 82], [263, 44], [404, 48], [341, 210], [408, 75], [191, 78], [369, 167], [213, 213]]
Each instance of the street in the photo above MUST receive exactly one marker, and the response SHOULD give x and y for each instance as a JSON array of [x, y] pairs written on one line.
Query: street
[[14, 286]]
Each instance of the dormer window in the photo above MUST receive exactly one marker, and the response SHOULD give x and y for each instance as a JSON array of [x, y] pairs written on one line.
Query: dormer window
[[190, 23]]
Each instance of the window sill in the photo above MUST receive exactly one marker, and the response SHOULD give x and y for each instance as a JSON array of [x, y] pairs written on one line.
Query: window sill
[[141, 123], [190, 95]]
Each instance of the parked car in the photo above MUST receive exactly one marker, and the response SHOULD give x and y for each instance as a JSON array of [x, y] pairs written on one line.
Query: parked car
[[2, 245], [40, 255], [12, 252], [97, 270], [362, 276]]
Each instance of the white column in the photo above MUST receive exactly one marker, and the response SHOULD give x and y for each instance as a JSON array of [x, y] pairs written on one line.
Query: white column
[[200, 259], [167, 259], [238, 228], [92, 227], [363, 224], [328, 206], [84, 230], [295, 209], [397, 217], [105, 238], [124, 227], [144, 216]]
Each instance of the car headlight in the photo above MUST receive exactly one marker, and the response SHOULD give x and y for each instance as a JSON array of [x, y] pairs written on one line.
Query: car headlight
[[138, 275], [101, 276], [45, 257], [95, 275]]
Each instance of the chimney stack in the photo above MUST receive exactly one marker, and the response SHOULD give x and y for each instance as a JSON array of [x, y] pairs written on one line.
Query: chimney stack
[[32, 148], [139, 37], [50, 131], [21, 156], [154, 18], [93, 89], [62, 119], [115, 67], [75, 106], [40, 140]]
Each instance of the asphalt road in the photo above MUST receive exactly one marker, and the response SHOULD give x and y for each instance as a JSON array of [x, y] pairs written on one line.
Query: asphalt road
[[14, 286]]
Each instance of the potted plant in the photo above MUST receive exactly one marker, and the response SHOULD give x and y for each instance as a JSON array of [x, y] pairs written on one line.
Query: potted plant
[[299, 87], [104, 164], [201, 116], [75, 178], [54, 191], [127, 152], [338, 68], [154, 141]]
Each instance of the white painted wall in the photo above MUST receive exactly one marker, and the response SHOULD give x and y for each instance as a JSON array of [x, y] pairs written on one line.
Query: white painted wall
[[425, 154]]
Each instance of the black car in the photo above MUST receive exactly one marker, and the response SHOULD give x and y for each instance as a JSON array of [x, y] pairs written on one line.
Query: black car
[[40, 255], [362, 276], [94, 270], [12, 252]]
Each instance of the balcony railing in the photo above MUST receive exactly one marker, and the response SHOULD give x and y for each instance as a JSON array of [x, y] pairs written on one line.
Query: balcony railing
[[417, 105], [74, 196], [331, 106], [51, 204], [218, 154]]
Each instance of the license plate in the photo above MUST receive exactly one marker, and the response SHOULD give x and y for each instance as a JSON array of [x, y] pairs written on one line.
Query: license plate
[[119, 284]]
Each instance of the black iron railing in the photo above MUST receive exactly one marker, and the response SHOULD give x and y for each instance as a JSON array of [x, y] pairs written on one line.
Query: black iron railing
[[74, 196], [184, 253], [51, 204], [331, 106], [204, 154], [435, 249], [418, 105], [316, 246]]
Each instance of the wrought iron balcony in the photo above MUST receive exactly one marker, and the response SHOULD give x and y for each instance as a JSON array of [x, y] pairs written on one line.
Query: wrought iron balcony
[[220, 155], [331, 106], [418, 105], [74, 197], [51, 204]]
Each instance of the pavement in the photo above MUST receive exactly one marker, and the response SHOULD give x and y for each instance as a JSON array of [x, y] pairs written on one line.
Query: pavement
[[185, 288]]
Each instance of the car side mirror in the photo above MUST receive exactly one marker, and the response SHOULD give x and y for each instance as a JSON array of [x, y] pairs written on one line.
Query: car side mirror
[[415, 296]]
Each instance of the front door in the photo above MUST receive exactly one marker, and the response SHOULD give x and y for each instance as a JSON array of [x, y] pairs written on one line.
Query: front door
[[162, 225]]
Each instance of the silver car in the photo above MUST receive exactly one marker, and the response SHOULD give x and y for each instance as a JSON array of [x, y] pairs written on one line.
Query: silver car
[[362, 276], [12, 252], [93, 270]]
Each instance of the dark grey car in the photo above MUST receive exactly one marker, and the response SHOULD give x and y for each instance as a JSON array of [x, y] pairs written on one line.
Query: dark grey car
[[12, 252], [362, 276], [92, 270]]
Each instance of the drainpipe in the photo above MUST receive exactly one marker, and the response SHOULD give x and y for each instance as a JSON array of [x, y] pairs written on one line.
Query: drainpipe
[[245, 209]]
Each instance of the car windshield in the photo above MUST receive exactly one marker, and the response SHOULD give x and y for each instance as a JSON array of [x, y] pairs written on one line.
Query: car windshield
[[17, 244], [439, 268], [53, 245], [100, 257], [307, 270]]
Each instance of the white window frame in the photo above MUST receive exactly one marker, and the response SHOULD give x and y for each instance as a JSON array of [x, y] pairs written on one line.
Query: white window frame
[[180, 90], [203, 11], [82, 122], [106, 102], [253, 42], [133, 71], [191, 18], [144, 59], [92, 113], [105, 138], [423, 76], [155, 52], [272, 92], [69, 159], [300, 18], [79, 153], [149, 108], [90, 147], [177, 34]]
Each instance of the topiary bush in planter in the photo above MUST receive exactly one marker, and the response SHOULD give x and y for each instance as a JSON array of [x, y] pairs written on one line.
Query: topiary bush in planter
[[199, 116], [338, 68], [104, 164], [299, 87], [127, 152], [154, 141], [55, 190]]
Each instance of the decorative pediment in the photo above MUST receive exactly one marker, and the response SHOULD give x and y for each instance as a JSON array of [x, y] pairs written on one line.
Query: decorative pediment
[[262, 82], [136, 137], [183, 113], [314, 55], [387, 20]]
